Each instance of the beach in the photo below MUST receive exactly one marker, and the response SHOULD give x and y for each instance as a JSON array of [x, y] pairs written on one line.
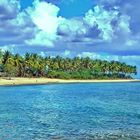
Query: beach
[[29, 81]]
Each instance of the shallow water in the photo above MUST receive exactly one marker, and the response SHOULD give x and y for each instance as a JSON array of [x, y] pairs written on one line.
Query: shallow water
[[95, 111]]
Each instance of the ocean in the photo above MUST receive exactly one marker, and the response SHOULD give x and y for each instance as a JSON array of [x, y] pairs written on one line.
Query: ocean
[[81, 111]]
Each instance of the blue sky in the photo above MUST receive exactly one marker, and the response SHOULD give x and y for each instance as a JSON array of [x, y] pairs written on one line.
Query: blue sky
[[100, 29]]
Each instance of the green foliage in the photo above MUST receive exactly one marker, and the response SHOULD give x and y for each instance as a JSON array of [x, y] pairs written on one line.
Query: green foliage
[[11, 70], [59, 74], [33, 65]]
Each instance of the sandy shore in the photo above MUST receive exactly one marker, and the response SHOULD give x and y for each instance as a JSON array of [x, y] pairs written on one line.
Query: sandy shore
[[27, 81]]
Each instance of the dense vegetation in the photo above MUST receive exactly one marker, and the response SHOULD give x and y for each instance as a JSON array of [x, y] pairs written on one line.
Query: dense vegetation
[[33, 65]]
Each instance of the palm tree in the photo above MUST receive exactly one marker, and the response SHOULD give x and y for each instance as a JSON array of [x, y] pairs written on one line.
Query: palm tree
[[83, 68]]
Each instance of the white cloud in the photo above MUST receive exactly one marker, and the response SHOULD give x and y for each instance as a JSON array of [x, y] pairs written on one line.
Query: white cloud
[[10, 48], [42, 54], [42, 39], [109, 1], [45, 16], [47, 28], [3, 2], [102, 19], [131, 42], [72, 26], [9, 8], [40, 25], [70, 30], [124, 24], [135, 59], [111, 23], [20, 19], [101, 56], [66, 53]]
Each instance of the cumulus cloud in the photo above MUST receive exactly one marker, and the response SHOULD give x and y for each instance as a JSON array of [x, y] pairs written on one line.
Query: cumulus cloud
[[8, 8], [72, 30], [131, 42], [45, 16], [40, 25], [124, 24], [101, 56], [35, 25], [111, 2], [71, 27], [66, 53], [109, 22], [43, 27], [15, 26], [10, 48], [97, 24]]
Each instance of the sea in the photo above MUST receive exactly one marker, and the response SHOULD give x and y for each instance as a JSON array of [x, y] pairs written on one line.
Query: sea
[[79, 111]]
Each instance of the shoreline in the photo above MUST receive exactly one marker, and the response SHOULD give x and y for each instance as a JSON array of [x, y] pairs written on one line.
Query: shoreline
[[37, 81]]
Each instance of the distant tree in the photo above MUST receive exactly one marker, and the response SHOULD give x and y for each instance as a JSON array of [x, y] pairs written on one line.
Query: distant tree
[[33, 65]]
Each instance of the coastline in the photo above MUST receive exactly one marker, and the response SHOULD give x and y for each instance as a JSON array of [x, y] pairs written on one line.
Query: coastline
[[37, 81]]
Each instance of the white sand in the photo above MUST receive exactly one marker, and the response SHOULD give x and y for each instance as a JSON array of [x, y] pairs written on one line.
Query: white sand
[[24, 81]]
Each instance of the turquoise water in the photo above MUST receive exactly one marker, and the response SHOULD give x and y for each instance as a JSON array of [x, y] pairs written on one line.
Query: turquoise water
[[101, 111]]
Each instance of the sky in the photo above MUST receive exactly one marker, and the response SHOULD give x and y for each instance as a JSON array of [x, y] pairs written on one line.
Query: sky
[[100, 29]]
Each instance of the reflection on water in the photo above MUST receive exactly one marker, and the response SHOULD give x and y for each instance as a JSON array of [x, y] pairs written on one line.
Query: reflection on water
[[70, 112]]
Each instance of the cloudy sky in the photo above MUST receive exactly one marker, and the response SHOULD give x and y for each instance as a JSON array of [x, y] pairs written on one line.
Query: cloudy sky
[[102, 29]]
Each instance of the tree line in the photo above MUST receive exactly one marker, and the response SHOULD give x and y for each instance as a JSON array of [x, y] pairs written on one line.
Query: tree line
[[34, 65]]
